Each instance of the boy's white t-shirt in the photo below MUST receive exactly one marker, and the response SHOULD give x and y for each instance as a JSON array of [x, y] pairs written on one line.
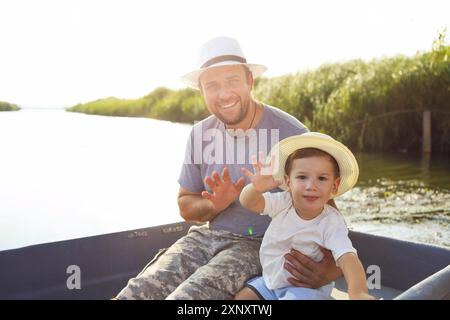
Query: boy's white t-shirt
[[287, 230]]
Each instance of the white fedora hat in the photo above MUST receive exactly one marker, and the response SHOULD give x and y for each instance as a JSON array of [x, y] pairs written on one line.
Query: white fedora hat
[[348, 166], [220, 51]]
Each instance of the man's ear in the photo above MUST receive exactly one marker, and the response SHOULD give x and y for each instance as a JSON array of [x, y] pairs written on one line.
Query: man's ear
[[200, 87], [250, 79]]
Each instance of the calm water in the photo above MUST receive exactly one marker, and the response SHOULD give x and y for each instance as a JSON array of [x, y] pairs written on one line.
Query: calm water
[[401, 196], [67, 175]]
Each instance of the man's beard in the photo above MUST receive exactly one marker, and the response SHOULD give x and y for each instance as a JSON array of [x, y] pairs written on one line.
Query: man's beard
[[242, 114]]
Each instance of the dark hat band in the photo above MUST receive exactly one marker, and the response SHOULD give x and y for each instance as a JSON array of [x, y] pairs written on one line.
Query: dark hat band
[[223, 58]]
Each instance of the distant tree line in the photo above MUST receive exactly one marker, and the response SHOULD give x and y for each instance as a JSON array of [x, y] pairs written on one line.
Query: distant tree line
[[6, 106]]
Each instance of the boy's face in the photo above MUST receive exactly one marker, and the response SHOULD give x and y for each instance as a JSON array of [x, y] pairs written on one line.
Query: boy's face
[[312, 182]]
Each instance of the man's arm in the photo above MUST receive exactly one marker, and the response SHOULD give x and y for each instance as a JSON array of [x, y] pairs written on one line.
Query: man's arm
[[195, 208], [205, 206]]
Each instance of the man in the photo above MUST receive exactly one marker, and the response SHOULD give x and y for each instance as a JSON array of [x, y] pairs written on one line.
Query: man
[[214, 260]]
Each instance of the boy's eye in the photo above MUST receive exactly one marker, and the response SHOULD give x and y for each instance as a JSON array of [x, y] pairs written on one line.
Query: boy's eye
[[323, 178], [301, 177]]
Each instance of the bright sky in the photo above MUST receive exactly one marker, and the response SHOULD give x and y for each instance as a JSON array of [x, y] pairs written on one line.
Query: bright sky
[[59, 53]]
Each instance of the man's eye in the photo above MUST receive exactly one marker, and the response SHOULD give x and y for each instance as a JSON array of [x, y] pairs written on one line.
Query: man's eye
[[211, 87]]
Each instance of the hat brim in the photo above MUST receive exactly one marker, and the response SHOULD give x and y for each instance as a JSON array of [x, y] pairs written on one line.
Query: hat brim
[[191, 78], [348, 166]]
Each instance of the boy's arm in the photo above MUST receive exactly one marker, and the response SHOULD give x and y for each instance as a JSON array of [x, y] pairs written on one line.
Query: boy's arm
[[355, 276], [261, 180], [251, 199]]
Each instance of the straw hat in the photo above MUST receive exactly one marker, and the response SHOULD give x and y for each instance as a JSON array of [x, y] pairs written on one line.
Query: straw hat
[[220, 51], [348, 167]]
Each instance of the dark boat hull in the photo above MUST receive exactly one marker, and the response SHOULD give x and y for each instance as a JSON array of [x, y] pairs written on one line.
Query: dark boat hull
[[107, 262]]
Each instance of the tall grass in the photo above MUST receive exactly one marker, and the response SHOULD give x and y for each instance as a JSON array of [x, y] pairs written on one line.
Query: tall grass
[[377, 105]]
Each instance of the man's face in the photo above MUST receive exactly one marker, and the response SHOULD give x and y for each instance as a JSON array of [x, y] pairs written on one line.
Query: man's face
[[226, 91]]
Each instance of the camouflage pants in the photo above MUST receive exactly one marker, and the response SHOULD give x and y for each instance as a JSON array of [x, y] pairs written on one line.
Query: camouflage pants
[[204, 264]]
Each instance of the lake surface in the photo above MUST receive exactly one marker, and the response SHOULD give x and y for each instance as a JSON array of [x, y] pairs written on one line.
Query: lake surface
[[67, 175]]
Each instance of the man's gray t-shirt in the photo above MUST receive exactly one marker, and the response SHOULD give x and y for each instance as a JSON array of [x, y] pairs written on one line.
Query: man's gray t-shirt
[[211, 147]]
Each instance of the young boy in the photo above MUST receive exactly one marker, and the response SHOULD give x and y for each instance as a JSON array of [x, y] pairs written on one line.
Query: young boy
[[315, 168]]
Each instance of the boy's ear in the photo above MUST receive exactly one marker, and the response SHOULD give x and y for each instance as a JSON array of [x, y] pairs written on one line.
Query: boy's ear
[[287, 181], [336, 185]]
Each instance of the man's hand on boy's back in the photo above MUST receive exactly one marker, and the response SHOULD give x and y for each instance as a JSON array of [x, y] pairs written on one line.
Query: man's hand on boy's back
[[309, 273], [224, 191]]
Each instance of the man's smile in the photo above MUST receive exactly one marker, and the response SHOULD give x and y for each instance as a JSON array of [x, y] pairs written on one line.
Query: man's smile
[[228, 106]]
